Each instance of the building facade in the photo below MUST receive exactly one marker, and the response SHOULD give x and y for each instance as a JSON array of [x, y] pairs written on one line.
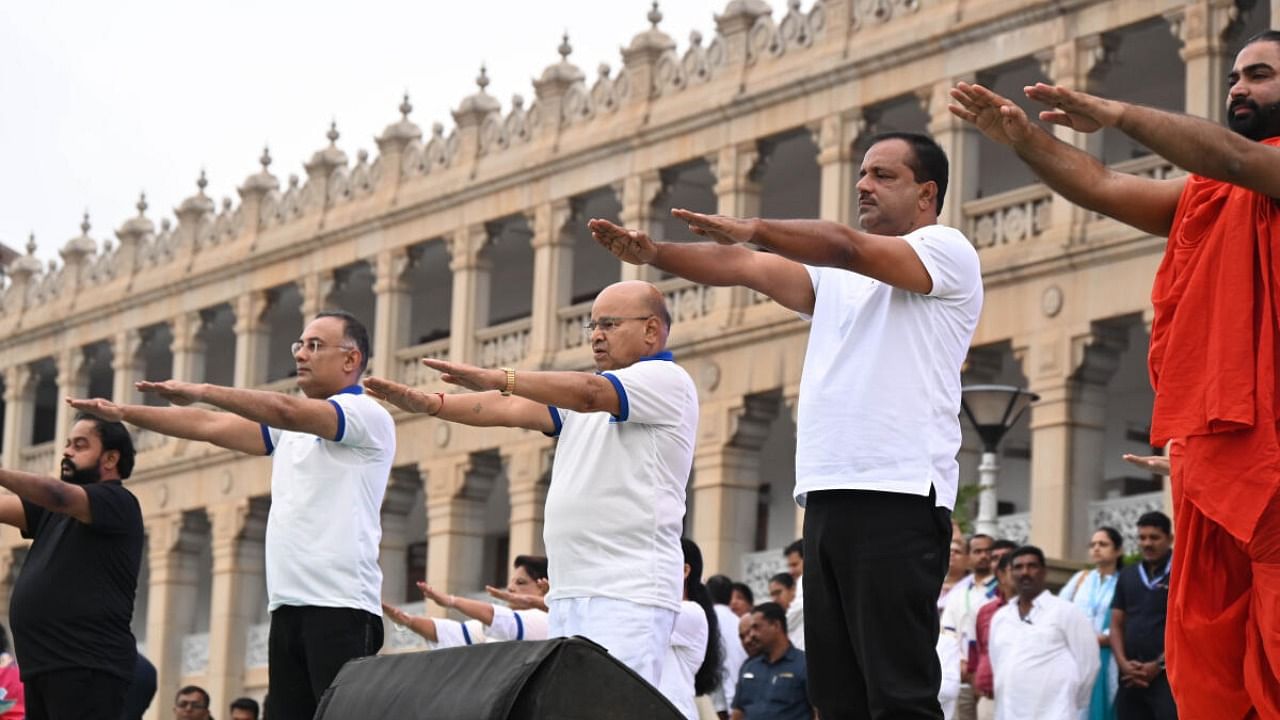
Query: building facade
[[470, 243]]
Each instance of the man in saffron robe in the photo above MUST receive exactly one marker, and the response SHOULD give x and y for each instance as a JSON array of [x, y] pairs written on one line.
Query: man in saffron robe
[[1213, 358]]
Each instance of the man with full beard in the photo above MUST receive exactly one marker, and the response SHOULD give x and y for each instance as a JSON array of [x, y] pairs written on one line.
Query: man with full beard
[[73, 602], [1213, 358]]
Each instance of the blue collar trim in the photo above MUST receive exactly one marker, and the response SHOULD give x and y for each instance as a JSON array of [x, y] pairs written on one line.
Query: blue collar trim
[[351, 390], [664, 355]]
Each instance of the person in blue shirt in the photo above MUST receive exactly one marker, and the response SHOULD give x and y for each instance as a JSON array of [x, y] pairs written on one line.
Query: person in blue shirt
[[772, 685]]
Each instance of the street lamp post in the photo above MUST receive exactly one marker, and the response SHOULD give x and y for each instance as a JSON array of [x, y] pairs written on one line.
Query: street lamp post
[[992, 409]]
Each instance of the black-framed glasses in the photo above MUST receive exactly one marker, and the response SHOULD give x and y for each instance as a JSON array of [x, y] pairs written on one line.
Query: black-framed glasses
[[193, 704], [608, 324], [314, 346]]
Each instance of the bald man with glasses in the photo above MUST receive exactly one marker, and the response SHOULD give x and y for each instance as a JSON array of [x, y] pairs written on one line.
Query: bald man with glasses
[[615, 508], [331, 453]]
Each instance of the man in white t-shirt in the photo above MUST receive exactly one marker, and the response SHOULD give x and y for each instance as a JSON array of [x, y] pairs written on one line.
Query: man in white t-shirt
[[893, 307], [615, 509], [331, 455]]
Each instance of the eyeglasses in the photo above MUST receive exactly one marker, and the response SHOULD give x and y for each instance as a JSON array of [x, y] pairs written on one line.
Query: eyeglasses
[[609, 324], [314, 346], [194, 704]]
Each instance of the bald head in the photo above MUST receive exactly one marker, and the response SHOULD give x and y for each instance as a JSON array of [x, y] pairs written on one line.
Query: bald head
[[630, 321]]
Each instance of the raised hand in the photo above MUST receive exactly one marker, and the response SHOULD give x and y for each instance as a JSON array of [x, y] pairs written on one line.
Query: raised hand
[[177, 393], [99, 408], [518, 601], [629, 246], [396, 615], [994, 115], [1158, 464], [1079, 111], [721, 228], [468, 376], [435, 596], [402, 396]]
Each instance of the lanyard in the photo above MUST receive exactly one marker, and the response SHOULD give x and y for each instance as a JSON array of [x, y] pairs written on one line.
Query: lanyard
[[1152, 582]]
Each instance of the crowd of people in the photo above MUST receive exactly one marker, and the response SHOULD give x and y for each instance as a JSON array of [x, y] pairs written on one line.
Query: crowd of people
[[873, 624]]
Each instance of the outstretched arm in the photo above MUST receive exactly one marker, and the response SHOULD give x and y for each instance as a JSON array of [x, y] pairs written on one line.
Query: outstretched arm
[[424, 626], [49, 493], [474, 609], [785, 281], [1146, 204], [223, 429], [286, 412], [482, 409], [1193, 144]]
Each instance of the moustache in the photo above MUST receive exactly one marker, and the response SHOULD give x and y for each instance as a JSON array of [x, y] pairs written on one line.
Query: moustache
[[1242, 102]]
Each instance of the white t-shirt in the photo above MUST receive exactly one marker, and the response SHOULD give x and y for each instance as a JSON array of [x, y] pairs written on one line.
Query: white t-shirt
[[880, 389], [733, 654], [511, 624], [615, 508], [1044, 664], [795, 616], [685, 654], [325, 522]]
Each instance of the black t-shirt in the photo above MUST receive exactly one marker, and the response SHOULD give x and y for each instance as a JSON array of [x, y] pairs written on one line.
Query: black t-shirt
[[73, 602], [1144, 611]]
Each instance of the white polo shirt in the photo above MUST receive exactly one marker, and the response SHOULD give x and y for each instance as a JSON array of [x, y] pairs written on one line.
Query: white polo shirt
[[615, 508], [880, 389], [325, 522]]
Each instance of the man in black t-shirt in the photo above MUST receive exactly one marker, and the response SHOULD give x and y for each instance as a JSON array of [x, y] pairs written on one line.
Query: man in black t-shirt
[[1137, 625], [72, 604]]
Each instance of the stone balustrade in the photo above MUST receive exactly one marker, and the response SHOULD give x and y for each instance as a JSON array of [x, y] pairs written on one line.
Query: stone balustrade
[[506, 344], [410, 369], [1009, 218], [195, 654], [41, 459]]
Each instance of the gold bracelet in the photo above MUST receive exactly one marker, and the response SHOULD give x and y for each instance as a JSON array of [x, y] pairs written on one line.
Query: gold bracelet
[[511, 381]]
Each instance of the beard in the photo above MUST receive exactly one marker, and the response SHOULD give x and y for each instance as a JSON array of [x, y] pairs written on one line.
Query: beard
[[1262, 123], [79, 476]]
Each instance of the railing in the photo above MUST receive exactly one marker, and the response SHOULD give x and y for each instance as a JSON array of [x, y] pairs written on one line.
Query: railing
[[571, 321], [505, 344], [1008, 218], [1122, 513], [255, 645], [1015, 527], [1150, 166], [39, 459], [402, 638], [195, 654], [410, 369], [144, 440], [687, 300]]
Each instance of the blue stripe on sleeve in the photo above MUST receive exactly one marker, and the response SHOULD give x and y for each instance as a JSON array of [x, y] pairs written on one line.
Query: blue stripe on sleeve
[[555, 419], [266, 439], [624, 409], [466, 634], [342, 420], [519, 626]]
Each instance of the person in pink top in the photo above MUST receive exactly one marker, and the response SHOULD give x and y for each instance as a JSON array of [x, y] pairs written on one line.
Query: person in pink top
[[13, 700]]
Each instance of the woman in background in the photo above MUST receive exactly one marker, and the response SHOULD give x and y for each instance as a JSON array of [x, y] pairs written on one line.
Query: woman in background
[[1091, 591], [692, 665]]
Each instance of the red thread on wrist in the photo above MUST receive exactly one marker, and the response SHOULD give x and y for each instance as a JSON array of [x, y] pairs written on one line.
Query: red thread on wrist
[[437, 412]]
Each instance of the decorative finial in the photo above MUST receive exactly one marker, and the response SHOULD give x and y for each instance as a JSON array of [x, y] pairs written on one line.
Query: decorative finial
[[655, 15], [31, 244], [165, 225], [202, 182], [333, 132], [794, 5], [695, 38], [362, 156], [482, 80], [604, 70], [517, 101], [437, 129], [265, 159], [293, 180], [405, 107], [142, 204], [565, 48], [84, 224], [107, 246], [226, 204]]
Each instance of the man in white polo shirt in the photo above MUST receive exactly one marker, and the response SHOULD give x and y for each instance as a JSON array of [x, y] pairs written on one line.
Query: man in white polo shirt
[[893, 308], [331, 455], [616, 504]]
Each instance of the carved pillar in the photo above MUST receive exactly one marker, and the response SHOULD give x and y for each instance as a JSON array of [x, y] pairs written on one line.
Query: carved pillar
[[552, 278], [1070, 372], [239, 586], [71, 383], [17, 414], [391, 310], [737, 191], [188, 347], [530, 476], [959, 140], [470, 307], [456, 498], [402, 488], [1205, 28], [174, 543], [252, 336], [126, 366], [726, 480], [638, 193], [316, 291], [835, 136]]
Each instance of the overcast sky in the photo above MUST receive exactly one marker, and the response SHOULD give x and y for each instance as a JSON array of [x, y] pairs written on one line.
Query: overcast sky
[[101, 100]]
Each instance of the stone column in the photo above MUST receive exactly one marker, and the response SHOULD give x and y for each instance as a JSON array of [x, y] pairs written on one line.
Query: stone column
[[126, 367], [470, 307], [959, 140], [316, 290], [638, 193], [402, 488], [1070, 372], [391, 310], [71, 383], [737, 194], [835, 136], [174, 543], [239, 584], [529, 475], [17, 414], [726, 480], [188, 347], [552, 278], [1205, 28], [456, 495], [252, 336]]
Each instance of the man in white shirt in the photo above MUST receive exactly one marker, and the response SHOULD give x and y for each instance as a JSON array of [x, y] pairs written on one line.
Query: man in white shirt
[[1044, 651], [961, 613], [615, 509], [893, 309], [331, 455], [732, 652], [794, 553]]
